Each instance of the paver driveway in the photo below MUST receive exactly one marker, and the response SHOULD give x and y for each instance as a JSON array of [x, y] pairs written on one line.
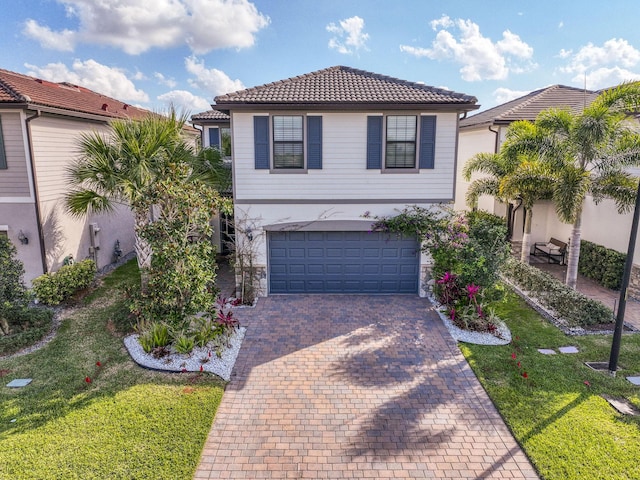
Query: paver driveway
[[355, 387]]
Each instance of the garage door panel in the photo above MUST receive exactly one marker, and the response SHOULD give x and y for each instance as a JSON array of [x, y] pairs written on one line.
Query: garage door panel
[[342, 262]]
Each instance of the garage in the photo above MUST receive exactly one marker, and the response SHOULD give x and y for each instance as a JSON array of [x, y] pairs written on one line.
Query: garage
[[342, 262]]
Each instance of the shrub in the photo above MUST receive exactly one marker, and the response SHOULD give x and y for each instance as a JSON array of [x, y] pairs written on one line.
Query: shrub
[[184, 343], [26, 326], [55, 288], [157, 335], [12, 289], [572, 306], [604, 265]]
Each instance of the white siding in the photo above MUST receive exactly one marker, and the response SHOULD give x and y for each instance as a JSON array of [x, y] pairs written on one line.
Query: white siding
[[344, 175], [14, 180]]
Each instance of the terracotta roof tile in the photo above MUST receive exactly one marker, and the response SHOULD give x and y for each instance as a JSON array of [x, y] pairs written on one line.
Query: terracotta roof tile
[[345, 85], [529, 106], [211, 115], [18, 88]]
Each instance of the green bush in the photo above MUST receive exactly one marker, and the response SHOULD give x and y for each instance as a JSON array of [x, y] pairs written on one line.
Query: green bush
[[26, 326], [604, 265], [12, 290], [55, 288], [572, 306]]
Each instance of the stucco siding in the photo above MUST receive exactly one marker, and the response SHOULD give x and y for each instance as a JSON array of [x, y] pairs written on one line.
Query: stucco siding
[[22, 217], [344, 175], [14, 180]]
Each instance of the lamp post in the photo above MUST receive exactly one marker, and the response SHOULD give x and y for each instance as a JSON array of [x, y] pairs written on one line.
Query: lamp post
[[617, 334]]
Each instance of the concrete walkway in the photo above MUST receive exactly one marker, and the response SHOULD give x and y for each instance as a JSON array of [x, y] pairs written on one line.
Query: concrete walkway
[[339, 387]]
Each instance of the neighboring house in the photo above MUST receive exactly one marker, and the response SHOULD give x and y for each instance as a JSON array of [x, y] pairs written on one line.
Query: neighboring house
[[485, 132], [216, 132], [40, 125], [313, 153]]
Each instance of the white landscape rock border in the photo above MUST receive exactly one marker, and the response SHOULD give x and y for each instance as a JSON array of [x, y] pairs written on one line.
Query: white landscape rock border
[[468, 336], [177, 362]]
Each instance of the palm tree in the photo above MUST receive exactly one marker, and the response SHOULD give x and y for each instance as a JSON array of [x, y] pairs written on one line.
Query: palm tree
[[588, 153], [120, 167], [510, 177]]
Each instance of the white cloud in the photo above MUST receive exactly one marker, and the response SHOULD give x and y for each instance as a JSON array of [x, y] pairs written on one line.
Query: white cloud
[[606, 77], [615, 52], [185, 101], [135, 27], [480, 58], [349, 36], [502, 95], [63, 40], [211, 80], [90, 74], [162, 80], [564, 53], [561, 24]]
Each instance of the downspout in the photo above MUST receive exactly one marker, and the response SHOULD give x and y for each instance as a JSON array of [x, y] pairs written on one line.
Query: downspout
[[34, 184], [495, 146]]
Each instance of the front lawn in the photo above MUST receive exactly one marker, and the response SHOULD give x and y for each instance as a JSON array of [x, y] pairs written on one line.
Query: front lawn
[[556, 411], [91, 413]]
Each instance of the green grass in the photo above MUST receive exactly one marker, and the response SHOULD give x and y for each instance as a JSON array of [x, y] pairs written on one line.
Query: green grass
[[566, 428], [127, 423]]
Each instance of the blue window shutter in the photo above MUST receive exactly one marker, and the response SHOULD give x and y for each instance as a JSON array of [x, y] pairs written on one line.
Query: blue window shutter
[[261, 142], [314, 143], [427, 141], [374, 142], [3, 153], [214, 137]]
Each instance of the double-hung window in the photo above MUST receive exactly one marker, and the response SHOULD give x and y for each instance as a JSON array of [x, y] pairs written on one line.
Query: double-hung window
[[288, 142], [400, 151]]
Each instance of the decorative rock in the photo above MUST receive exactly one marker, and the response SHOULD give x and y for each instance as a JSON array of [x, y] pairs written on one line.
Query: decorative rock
[[19, 382], [547, 351]]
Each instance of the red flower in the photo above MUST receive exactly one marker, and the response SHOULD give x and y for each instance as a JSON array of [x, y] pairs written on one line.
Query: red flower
[[209, 353], [201, 368], [519, 365], [586, 382], [87, 379], [513, 355], [472, 290], [98, 364], [184, 370], [525, 375]]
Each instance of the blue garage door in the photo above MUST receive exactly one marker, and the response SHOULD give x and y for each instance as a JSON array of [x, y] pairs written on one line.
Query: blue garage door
[[342, 262]]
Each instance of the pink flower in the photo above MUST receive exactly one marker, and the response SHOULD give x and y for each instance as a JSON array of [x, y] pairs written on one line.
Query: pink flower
[[472, 291], [513, 355], [184, 370], [98, 364], [87, 379], [525, 375], [519, 365], [586, 382], [201, 368]]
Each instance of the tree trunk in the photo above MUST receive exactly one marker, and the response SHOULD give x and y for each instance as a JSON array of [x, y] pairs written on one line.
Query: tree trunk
[[526, 237], [574, 253], [143, 250]]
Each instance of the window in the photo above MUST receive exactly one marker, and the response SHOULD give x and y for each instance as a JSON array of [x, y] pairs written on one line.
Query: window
[[288, 142], [407, 147], [400, 151], [3, 155], [225, 142]]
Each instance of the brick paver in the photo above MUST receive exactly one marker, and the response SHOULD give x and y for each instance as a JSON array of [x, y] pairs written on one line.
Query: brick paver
[[369, 387]]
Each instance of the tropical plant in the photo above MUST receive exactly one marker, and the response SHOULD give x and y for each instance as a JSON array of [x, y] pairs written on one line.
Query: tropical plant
[[509, 177], [588, 152]]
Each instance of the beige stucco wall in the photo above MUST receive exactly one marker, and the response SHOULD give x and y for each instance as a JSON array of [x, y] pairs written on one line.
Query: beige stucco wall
[[16, 217]]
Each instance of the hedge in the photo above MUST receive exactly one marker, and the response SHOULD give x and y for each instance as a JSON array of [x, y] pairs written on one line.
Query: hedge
[[604, 265], [55, 288], [571, 306]]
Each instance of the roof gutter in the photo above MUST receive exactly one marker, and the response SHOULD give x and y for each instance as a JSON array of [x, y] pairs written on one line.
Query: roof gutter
[[495, 145], [34, 184]]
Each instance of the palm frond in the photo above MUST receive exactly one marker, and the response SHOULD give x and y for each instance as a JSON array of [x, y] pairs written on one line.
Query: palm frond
[[572, 186], [482, 186]]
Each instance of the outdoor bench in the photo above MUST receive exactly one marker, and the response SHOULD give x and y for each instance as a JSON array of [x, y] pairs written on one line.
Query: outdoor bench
[[554, 250]]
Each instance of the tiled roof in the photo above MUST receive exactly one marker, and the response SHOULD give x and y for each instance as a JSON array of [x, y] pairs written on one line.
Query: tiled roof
[[529, 106], [345, 86], [18, 88], [211, 115]]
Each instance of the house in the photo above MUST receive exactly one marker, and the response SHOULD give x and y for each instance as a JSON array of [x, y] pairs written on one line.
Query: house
[[215, 131], [485, 132], [40, 125], [314, 153]]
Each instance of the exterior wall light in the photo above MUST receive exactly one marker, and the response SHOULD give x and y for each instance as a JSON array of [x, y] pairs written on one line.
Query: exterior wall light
[[24, 240]]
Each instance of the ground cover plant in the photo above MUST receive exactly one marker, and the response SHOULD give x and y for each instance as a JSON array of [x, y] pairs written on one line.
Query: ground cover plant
[[91, 413], [553, 403]]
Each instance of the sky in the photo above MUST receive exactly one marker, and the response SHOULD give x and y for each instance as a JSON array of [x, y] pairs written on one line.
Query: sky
[[154, 53]]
